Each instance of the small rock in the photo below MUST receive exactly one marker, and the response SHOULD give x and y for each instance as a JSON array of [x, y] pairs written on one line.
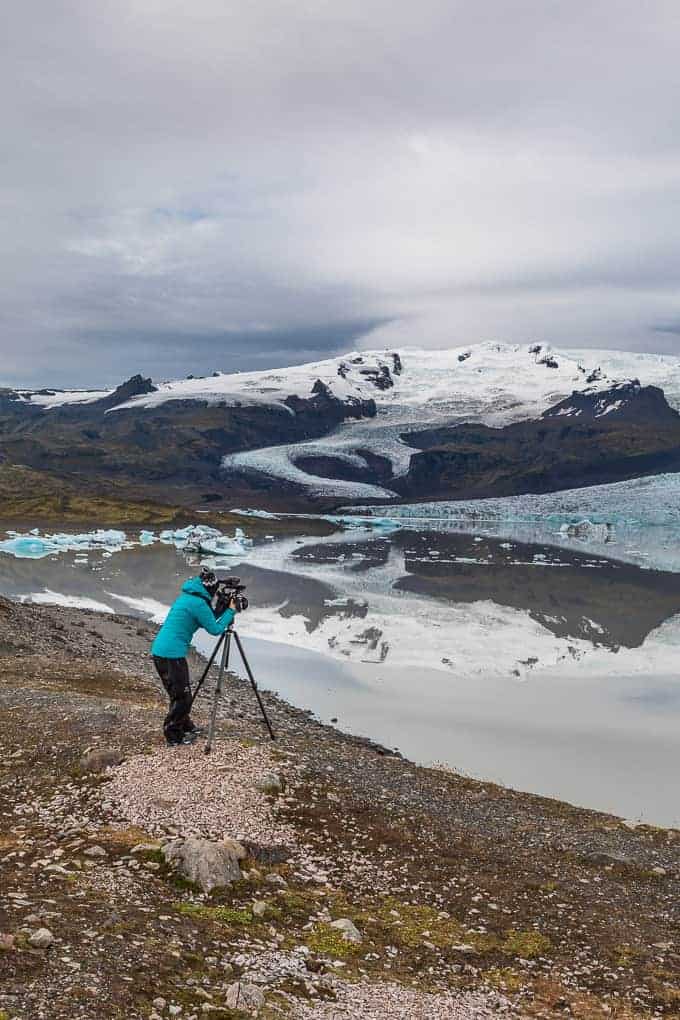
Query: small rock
[[174, 1010], [6, 943], [270, 782], [259, 908], [244, 996], [41, 938], [660, 872], [101, 759], [159, 1003], [278, 880], [349, 930], [95, 851], [602, 857]]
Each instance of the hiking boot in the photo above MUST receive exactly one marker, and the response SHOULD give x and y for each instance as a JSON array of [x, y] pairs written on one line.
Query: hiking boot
[[199, 731]]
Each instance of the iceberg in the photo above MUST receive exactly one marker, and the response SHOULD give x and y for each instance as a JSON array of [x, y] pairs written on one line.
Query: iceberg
[[190, 538], [222, 545], [197, 538]]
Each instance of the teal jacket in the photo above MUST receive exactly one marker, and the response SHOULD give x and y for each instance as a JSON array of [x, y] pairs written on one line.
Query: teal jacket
[[188, 613]]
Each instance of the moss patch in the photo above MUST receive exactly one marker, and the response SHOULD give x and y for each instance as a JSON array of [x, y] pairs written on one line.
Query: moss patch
[[412, 925], [526, 944], [224, 915], [328, 941], [505, 979]]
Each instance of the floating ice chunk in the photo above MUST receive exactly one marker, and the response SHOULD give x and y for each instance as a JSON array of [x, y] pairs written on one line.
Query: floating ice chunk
[[28, 547], [265, 514], [222, 545], [189, 538], [35, 546], [146, 538], [355, 521], [588, 531]]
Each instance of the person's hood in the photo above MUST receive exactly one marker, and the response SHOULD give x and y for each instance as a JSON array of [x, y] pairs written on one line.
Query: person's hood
[[194, 586]]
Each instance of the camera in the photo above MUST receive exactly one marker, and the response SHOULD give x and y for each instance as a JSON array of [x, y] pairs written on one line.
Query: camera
[[223, 590]]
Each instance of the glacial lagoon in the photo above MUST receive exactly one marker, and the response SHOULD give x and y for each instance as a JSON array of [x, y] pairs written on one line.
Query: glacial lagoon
[[540, 653]]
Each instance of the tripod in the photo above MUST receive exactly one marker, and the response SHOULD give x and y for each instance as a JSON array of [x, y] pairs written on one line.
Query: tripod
[[224, 643]]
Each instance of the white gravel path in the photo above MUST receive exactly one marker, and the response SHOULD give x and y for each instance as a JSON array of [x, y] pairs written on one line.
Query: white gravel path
[[181, 790], [389, 1001]]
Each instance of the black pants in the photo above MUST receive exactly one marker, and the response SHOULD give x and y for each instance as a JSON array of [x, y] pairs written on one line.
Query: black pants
[[174, 674]]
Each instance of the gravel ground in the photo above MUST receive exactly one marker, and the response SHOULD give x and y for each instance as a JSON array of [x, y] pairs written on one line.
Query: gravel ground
[[181, 790], [386, 1001]]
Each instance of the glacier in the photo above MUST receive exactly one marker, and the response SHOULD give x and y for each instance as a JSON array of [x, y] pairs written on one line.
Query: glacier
[[652, 500]]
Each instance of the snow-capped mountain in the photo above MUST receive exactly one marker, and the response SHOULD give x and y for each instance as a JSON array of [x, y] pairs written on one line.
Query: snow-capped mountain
[[332, 431]]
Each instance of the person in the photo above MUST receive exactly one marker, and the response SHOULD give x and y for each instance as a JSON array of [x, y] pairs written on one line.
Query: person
[[190, 611]]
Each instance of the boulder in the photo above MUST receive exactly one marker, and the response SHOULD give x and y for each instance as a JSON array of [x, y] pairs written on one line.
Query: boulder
[[207, 863], [234, 847], [100, 759], [349, 930], [244, 996]]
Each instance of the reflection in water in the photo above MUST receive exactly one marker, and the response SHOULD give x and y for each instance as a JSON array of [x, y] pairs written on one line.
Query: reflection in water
[[584, 596]]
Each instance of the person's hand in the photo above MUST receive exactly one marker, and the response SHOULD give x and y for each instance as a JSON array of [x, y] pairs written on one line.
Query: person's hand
[[232, 604]]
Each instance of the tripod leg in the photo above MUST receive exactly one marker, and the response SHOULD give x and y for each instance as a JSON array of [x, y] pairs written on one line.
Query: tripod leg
[[253, 684], [224, 663], [207, 669]]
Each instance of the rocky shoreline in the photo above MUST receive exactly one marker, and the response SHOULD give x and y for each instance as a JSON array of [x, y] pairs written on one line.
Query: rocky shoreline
[[466, 898]]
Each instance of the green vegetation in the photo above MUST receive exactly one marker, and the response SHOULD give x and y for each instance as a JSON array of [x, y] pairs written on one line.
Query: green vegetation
[[38, 495], [505, 979], [224, 915], [328, 941], [526, 944], [412, 925]]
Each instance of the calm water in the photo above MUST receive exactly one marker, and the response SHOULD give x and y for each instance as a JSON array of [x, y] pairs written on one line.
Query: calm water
[[547, 666]]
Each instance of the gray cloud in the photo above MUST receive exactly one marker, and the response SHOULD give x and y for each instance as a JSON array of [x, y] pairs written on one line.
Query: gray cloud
[[194, 186]]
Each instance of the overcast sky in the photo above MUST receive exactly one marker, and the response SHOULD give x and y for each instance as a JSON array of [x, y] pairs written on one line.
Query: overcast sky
[[210, 184]]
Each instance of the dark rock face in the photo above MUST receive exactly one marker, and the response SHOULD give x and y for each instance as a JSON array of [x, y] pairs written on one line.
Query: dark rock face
[[380, 376], [177, 442], [378, 470], [591, 438], [137, 386], [628, 401]]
